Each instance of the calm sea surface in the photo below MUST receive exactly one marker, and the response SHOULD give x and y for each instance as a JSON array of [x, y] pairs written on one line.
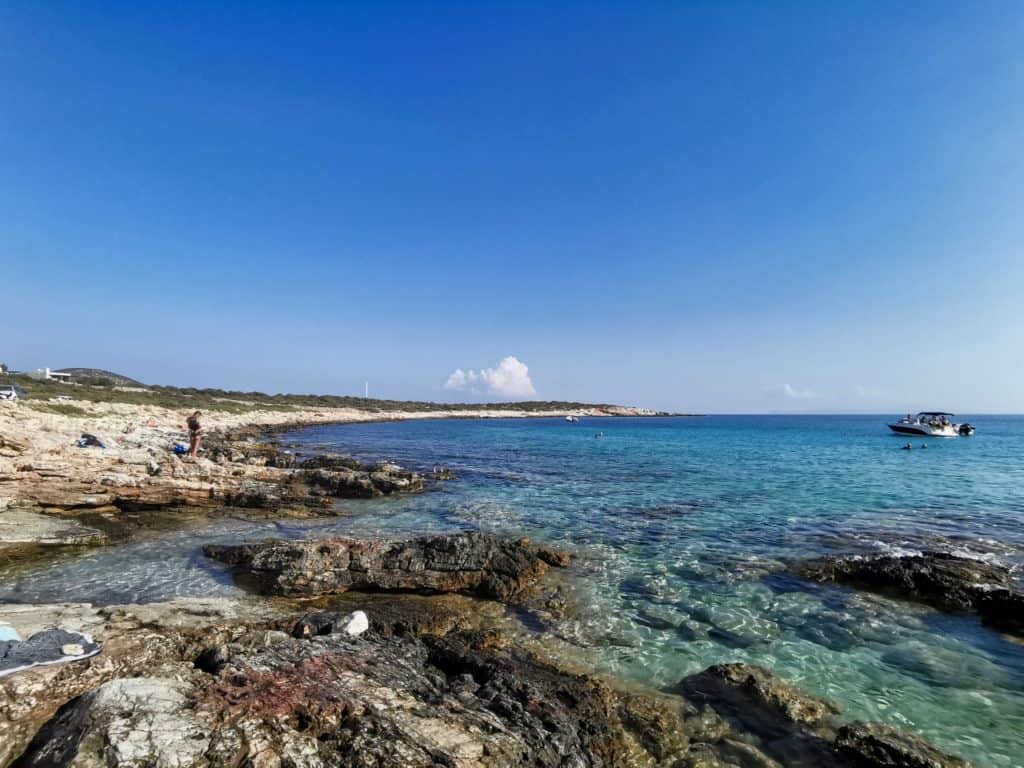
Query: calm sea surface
[[682, 527]]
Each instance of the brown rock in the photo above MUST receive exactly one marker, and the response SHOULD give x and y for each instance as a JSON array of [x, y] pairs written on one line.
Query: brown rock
[[873, 745], [469, 563]]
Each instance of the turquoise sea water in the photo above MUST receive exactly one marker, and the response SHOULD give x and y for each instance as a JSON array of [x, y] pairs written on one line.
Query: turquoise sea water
[[683, 528]]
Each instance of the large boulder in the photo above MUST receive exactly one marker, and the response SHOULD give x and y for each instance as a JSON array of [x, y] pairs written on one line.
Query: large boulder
[[939, 579], [470, 563]]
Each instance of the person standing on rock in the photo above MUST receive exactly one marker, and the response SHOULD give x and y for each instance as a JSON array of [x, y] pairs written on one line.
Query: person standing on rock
[[195, 434]]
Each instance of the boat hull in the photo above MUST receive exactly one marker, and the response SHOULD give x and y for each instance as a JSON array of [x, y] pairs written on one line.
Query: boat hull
[[921, 430]]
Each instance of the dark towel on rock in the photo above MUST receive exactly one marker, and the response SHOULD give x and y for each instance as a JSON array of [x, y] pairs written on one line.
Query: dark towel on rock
[[43, 648]]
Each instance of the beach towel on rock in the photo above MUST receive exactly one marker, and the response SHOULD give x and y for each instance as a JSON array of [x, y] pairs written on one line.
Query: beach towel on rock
[[51, 646]]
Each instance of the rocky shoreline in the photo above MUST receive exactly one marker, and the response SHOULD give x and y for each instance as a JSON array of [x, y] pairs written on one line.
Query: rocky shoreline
[[53, 492], [434, 681], [445, 675]]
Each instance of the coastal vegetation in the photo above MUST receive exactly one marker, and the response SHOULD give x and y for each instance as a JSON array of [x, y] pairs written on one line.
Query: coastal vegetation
[[100, 390], [62, 409]]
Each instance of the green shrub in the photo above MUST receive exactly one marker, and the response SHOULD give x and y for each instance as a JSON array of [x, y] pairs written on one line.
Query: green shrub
[[63, 409]]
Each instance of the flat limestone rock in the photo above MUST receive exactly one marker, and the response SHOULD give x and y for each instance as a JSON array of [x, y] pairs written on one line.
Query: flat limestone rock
[[19, 527], [28, 619], [469, 563]]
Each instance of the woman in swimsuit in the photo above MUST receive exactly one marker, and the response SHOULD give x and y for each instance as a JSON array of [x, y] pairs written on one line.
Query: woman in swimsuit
[[195, 434]]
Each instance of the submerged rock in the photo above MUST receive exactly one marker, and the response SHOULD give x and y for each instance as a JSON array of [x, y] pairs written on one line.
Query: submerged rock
[[749, 716], [942, 580], [874, 744], [745, 687], [469, 563], [789, 725]]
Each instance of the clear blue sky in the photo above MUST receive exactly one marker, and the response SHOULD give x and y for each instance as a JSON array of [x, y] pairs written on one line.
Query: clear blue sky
[[704, 206]]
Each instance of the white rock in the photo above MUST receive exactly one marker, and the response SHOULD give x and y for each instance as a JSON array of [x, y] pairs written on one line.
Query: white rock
[[72, 649], [357, 624]]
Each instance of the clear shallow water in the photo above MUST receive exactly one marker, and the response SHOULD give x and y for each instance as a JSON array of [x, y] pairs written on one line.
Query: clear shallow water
[[681, 526]]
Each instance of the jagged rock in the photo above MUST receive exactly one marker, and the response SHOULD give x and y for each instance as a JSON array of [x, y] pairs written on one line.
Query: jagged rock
[[331, 462], [137, 640], [942, 580], [873, 745], [374, 700], [469, 563], [126, 722]]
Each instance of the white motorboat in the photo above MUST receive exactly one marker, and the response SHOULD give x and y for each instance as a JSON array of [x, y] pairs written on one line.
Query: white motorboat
[[930, 424], [572, 418]]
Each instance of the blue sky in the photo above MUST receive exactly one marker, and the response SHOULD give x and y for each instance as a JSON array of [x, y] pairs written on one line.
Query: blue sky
[[703, 206]]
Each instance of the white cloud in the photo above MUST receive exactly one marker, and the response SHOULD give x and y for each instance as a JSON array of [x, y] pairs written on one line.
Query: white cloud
[[510, 378], [795, 393]]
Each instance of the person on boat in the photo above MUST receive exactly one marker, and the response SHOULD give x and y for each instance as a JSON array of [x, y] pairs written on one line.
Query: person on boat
[[195, 434]]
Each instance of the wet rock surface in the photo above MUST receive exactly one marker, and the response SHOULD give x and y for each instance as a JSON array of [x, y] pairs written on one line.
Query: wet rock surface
[[944, 581], [469, 563], [874, 744], [747, 715]]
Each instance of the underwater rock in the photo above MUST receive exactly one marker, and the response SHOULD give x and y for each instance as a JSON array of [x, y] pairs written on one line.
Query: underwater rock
[[743, 688], [470, 563], [871, 745], [944, 581]]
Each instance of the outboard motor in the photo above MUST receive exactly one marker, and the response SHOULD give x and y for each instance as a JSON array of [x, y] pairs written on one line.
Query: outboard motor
[[966, 429]]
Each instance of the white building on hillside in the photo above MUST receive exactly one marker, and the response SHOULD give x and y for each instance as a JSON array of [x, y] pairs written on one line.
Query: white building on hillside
[[45, 374]]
